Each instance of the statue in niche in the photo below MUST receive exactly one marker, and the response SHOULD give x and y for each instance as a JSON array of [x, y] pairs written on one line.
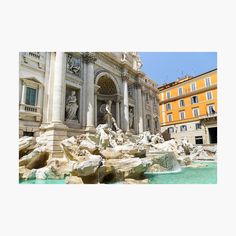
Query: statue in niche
[[131, 118], [71, 107], [108, 118], [73, 65]]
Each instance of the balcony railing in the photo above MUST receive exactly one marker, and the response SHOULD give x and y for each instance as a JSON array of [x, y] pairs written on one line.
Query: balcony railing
[[29, 108]]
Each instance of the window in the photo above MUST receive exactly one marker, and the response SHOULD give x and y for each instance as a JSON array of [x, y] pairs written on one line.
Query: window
[[181, 102], [211, 109], [198, 140], [193, 86], [183, 128], [198, 125], [194, 99], [208, 82], [195, 112], [29, 134], [180, 91], [30, 96], [181, 115], [209, 95], [168, 94], [170, 118], [170, 130], [148, 123], [168, 106]]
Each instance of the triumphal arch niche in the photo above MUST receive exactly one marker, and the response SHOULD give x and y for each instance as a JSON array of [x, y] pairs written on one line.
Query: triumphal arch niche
[[108, 92], [65, 93]]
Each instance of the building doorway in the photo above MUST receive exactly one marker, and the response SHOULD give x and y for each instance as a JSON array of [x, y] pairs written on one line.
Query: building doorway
[[212, 135]]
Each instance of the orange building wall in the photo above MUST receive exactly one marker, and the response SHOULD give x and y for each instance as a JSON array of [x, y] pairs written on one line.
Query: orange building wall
[[202, 99]]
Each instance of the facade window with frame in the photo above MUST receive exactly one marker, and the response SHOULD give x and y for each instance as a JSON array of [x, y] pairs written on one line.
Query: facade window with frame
[[211, 109], [170, 130], [194, 99], [168, 94], [183, 128], [196, 112], [169, 117], [180, 91], [181, 115], [209, 95], [193, 86], [198, 126], [181, 103], [198, 140], [168, 106], [208, 82], [30, 96]]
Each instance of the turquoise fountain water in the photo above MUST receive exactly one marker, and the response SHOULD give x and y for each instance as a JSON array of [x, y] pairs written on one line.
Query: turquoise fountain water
[[188, 175]]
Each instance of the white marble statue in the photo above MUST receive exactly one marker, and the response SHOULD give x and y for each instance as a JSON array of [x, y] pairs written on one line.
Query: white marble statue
[[71, 106], [73, 65], [131, 118]]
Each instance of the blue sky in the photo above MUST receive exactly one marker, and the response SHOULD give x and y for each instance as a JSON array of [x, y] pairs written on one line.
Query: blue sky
[[165, 67]]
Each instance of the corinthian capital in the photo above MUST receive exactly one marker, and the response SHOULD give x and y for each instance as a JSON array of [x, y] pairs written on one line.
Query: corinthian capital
[[125, 74], [89, 57]]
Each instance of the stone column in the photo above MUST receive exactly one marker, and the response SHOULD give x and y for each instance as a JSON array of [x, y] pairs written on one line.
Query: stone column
[[56, 131], [95, 105], [84, 112], [125, 79], [144, 111], [89, 59], [152, 120], [140, 108], [23, 93], [118, 113], [59, 80]]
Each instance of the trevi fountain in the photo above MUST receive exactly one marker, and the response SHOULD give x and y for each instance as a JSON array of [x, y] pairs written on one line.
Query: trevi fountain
[[111, 156]]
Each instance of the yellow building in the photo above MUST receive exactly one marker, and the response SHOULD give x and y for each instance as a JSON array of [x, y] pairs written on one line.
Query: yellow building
[[188, 108]]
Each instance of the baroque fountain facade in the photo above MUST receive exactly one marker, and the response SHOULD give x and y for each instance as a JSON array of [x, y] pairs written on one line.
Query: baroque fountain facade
[[93, 118]]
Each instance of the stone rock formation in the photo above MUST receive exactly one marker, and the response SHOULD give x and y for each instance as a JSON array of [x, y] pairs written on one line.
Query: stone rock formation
[[107, 156]]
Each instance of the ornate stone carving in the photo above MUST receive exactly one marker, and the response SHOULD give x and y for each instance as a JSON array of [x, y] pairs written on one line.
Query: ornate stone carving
[[125, 74], [89, 57], [73, 65], [71, 107]]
